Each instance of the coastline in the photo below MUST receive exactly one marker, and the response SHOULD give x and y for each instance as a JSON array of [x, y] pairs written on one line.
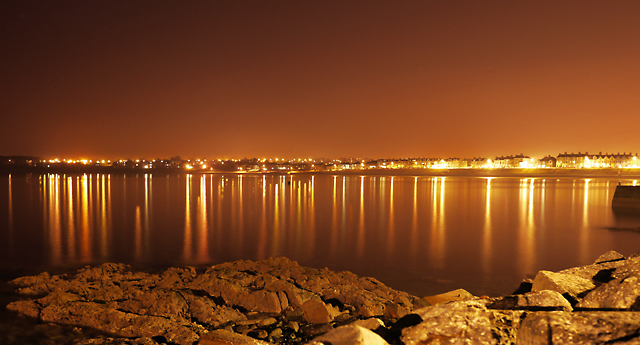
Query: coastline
[[503, 172], [276, 301]]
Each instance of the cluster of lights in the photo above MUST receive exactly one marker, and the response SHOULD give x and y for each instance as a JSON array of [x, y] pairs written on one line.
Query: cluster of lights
[[282, 164]]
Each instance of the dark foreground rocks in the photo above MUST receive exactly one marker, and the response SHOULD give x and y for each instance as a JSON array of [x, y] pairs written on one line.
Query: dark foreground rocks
[[277, 301]]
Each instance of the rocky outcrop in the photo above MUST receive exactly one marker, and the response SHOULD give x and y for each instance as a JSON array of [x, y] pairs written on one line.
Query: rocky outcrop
[[272, 300], [279, 302]]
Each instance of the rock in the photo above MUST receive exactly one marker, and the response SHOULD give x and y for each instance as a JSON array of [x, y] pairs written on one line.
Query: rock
[[451, 296], [609, 257], [206, 311], [525, 286], [267, 322], [276, 333], [173, 307], [118, 341], [572, 285], [394, 311], [541, 300], [544, 299], [580, 328], [621, 293], [316, 311], [463, 321], [351, 335], [371, 323], [292, 325], [222, 337], [260, 333]]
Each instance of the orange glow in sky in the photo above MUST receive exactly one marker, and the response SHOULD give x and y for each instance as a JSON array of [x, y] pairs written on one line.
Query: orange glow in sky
[[319, 79]]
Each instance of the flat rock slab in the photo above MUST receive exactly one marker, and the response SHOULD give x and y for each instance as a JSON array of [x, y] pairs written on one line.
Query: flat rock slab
[[597, 327], [222, 337], [562, 283], [349, 335]]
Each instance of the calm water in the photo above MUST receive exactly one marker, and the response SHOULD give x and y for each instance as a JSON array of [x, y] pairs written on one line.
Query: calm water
[[423, 235]]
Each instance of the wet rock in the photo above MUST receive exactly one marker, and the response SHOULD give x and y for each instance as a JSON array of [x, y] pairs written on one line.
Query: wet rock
[[609, 257], [394, 311], [350, 335], [569, 284], [276, 333], [206, 311], [157, 302], [316, 311], [175, 305], [525, 286], [540, 300], [451, 296], [371, 323], [293, 326], [267, 322], [621, 293], [220, 337], [459, 322], [118, 341], [580, 328]]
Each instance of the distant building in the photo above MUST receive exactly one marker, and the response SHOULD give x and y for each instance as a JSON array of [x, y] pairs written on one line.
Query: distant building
[[479, 163], [547, 162], [607, 160]]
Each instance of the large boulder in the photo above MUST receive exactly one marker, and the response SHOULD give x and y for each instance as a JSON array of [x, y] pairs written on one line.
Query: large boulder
[[560, 328], [350, 335], [459, 322], [569, 285]]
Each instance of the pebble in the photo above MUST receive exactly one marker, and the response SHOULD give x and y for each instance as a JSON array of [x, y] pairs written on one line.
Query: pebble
[[276, 333], [267, 322], [293, 326]]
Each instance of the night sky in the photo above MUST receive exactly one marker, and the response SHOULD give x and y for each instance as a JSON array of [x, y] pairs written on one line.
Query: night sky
[[290, 79]]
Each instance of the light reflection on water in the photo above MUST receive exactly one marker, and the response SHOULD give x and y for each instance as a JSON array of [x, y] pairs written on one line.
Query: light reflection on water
[[420, 234]]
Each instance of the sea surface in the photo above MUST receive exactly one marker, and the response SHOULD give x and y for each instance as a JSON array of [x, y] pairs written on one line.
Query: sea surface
[[420, 234]]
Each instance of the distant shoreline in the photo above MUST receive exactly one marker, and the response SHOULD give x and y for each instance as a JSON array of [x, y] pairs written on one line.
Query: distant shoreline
[[503, 172]]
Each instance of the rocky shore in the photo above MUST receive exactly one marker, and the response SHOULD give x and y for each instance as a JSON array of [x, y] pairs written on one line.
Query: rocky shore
[[279, 302]]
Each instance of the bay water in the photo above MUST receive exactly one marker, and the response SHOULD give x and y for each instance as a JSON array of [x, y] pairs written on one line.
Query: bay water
[[420, 234]]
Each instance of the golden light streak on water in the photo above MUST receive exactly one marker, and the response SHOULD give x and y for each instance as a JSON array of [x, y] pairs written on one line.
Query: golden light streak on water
[[71, 231], [487, 239], [240, 229], [262, 237], [188, 236], [531, 230], [137, 242], [312, 217], [334, 219], [433, 240], [219, 210], [391, 232], [10, 214], [413, 239], [85, 237], [342, 230], [275, 244], [438, 241], [584, 232], [361, 230], [148, 212], [526, 232], [55, 235], [235, 239], [103, 218], [202, 223], [299, 214]]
